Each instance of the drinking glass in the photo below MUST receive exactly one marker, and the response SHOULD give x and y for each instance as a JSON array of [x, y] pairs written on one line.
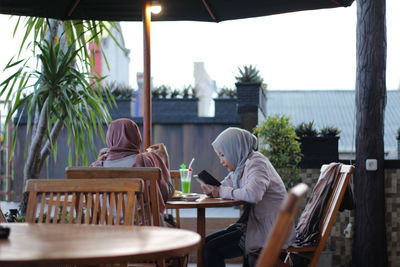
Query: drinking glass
[[186, 177]]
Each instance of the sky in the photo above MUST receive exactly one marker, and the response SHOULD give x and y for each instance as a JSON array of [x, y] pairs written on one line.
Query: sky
[[302, 50]]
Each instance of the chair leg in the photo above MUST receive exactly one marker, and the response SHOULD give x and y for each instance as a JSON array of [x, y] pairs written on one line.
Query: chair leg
[[178, 218]]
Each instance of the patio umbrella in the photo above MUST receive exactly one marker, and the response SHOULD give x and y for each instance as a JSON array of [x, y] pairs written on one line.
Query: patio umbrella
[[173, 10], [131, 10]]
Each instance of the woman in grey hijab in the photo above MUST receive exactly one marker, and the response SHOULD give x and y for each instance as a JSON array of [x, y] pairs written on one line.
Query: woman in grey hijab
[[253, 179]]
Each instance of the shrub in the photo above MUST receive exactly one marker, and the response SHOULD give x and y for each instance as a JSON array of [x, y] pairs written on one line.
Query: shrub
[[281, 147]]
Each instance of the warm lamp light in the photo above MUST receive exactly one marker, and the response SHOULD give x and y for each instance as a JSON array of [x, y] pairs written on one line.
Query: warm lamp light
[[155, 7]]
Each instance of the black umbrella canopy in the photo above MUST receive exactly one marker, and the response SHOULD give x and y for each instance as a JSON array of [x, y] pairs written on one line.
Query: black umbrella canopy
[[173, 10]]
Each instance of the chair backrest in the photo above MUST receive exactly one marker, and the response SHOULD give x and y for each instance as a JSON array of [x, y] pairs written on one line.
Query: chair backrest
[[176, 178], [149, 175], [327, 219], [283, 224], [332, 208], [2, 217], [84, 201]]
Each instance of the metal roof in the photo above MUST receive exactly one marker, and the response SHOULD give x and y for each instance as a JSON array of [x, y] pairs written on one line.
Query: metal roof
[[334, 108]]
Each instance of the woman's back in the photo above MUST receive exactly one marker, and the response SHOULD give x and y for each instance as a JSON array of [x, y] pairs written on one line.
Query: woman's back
[[128, 161]]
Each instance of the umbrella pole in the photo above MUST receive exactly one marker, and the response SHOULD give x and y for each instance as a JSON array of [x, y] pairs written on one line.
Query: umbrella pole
[[147, 123]]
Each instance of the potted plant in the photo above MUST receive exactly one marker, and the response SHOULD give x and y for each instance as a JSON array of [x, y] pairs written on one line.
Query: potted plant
[[175, 93], [155, 93], [186, 91], [318, 147], [164, 90], [168, 107], [279, 143], [124, 97], [226, 103]]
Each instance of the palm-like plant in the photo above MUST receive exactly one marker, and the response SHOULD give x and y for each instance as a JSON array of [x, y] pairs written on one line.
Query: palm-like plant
[[59, 95], [76, 32], [249, 74]]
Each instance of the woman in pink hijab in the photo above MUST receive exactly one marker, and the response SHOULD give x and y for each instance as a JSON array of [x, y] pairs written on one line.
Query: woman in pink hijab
[[123, 150]]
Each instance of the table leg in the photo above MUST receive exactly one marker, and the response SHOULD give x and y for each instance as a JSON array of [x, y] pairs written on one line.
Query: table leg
[[201, 230]]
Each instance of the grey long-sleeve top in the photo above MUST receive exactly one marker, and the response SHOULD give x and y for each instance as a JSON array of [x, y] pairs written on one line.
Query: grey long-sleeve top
[[261, 186]]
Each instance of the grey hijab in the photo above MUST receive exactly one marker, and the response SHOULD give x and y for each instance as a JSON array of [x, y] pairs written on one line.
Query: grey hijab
[[236, 145]]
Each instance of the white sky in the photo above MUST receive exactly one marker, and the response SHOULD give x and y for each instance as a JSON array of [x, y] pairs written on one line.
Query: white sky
[[303, 50]]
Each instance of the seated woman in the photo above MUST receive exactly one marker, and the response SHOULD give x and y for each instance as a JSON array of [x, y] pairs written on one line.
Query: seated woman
[[253, 179], [123, 150]]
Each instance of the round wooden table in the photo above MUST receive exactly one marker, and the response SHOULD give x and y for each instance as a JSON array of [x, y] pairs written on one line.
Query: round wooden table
[[201, 204], [48, 244]]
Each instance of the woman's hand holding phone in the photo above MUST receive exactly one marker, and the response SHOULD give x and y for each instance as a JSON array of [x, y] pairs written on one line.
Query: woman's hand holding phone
[[210, 190]]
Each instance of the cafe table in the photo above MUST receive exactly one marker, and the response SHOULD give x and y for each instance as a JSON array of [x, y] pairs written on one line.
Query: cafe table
[[201, 204], [60, 244]]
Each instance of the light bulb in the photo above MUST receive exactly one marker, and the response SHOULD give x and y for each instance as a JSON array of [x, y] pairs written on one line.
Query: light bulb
[[155, 7]]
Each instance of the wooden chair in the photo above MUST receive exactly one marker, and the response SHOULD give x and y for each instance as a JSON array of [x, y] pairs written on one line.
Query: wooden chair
[[2, 217], [152, 175], [331, 210], [176, 179], [283, 224], [85, 201]]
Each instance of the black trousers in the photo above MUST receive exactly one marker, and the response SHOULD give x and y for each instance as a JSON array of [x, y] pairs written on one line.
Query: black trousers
[[222, 245]]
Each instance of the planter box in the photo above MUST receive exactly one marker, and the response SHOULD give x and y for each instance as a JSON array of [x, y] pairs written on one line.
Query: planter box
[[124, 108], [226, 107], [319, 150], [174, 108], [251, 95]]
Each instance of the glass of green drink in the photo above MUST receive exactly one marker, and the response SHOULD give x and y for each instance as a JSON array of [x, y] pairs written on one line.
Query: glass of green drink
[[186, 177]]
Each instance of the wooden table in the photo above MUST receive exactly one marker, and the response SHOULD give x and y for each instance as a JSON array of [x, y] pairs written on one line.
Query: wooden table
[[47, 245], [201, 204]]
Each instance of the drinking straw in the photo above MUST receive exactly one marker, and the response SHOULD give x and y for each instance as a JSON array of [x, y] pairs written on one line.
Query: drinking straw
[[190, 164]]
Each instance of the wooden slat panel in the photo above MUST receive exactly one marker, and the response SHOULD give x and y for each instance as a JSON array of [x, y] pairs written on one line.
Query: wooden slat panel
[[92, 200], [150, 175]]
